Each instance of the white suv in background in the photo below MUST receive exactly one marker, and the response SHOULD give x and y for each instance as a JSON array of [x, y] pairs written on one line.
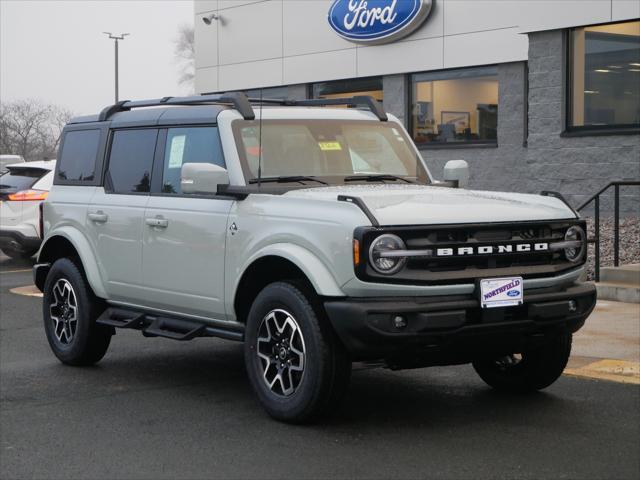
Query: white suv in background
[[22, 189]]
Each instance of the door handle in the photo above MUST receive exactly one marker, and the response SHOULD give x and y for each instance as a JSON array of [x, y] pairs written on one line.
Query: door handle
[[158, 222], [98, 217]]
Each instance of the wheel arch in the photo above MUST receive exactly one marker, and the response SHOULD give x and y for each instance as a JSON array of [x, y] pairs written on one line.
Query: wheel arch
[[69, 243], [277, 263]]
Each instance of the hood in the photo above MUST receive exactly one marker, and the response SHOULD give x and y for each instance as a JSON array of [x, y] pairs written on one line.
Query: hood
[[421, 204]]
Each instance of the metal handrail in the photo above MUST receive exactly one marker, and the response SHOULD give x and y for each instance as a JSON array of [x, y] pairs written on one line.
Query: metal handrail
[[616, 220]]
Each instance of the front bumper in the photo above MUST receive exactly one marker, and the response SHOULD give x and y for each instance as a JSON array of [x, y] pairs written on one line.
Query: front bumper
[[454, 329], [16, 240]]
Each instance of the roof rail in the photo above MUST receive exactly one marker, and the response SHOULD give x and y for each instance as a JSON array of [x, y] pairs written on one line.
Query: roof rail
[[238, 99], [358, 101], [243, 104]]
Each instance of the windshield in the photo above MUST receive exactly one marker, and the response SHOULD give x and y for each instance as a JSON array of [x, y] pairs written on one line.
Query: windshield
[[329, 150]]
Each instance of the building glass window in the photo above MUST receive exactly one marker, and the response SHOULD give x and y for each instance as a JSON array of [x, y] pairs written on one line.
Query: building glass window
[[455, 106], [348, 88], [605, 77]]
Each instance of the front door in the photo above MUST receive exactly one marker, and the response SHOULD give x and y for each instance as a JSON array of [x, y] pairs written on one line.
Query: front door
[[184, 236]]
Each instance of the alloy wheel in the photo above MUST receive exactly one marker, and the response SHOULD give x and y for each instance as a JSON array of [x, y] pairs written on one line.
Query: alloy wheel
[[64, 311], [281, 352]]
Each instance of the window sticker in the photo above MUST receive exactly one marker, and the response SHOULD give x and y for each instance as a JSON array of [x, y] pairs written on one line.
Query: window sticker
[[177, 151], [329, 146]]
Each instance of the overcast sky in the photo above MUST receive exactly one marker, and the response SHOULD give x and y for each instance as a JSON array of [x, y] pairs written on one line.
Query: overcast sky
[[55, 50]]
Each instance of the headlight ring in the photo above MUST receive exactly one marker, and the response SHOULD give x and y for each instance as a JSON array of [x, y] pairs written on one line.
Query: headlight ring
[[575, 234], [386, 243]]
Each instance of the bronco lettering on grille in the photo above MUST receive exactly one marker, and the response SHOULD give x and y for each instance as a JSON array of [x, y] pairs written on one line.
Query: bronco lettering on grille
[[493, 249]]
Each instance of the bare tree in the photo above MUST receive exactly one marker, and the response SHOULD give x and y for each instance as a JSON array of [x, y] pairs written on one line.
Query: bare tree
[[185, 54], [31, 128]]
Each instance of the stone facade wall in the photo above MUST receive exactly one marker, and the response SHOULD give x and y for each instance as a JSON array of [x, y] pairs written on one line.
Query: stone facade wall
[[575, 166]]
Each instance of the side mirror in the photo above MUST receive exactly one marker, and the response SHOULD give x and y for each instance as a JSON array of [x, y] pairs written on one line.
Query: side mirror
[[457, 172], [202, 178]]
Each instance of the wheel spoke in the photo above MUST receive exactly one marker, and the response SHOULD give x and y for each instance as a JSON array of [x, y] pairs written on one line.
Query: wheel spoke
[[63, 311], [281, 352]]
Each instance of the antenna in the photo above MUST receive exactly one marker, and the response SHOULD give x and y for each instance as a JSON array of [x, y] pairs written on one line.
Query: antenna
[[260, 142]]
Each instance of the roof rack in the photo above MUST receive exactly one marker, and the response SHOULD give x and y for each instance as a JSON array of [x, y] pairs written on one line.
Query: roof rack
[[238, 99], [243, 104]]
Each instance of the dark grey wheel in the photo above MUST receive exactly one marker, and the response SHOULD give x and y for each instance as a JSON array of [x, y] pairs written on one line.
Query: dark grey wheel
[[69, 310]]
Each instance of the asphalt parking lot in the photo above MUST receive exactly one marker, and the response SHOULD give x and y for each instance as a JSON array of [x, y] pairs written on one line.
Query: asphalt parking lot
[[154, 408]]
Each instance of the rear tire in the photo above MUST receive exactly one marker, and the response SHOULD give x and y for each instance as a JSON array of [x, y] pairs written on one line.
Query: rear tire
[[533, 370], [296, 365], [18, 254], [70, 309]]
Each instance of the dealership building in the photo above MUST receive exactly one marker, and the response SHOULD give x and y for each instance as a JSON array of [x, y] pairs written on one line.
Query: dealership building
[[533, 94]]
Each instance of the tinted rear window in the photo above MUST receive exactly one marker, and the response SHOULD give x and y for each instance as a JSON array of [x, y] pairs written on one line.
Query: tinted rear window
[[20, 179], [78, 157], [131, 160]]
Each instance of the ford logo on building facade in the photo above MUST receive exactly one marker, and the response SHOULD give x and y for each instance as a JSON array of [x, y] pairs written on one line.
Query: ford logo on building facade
[[377, 21]]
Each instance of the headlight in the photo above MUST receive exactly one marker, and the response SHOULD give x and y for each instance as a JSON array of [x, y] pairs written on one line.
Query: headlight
[[576, 241], [381, 254]]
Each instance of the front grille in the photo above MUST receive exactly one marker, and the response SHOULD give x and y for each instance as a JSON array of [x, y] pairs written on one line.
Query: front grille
[[458, 268]]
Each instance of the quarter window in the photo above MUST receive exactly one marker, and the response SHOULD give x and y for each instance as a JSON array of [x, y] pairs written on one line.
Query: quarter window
[[605, 77], [131, 160], [189, 145], [78, 156], [454, 107]]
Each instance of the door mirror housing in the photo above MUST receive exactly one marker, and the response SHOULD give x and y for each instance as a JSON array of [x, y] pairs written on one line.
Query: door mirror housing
[[457, 172], [202, 178]]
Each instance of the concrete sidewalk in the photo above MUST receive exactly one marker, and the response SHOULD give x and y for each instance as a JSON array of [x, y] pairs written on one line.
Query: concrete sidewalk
[[608, 346]]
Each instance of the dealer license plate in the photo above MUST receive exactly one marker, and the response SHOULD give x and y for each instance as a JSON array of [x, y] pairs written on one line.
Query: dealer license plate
[[501, 292]]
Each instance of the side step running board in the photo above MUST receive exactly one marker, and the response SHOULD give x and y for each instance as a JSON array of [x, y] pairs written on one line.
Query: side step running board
[[116, 317], [153, 325], [174, 329]]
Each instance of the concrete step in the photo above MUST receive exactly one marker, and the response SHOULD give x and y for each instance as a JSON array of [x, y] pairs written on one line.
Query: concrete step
[[621, 274], [619, 291]]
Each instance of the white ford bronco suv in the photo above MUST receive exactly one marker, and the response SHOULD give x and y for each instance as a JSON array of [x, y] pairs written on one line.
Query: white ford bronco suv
[[316, 236]]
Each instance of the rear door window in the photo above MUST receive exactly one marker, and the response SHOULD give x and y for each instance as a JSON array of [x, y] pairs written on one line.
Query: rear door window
[[189, 145], [78, 156], [131, 160]]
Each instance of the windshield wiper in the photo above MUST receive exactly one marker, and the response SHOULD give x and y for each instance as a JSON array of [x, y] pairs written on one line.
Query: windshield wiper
[[286, 179], [375, 177]]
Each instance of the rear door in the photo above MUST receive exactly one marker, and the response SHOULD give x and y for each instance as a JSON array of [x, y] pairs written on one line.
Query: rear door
[[184, 235], [115, 217]]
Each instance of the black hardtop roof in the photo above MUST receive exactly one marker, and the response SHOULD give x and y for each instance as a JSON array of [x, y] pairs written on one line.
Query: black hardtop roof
[[204, 108]]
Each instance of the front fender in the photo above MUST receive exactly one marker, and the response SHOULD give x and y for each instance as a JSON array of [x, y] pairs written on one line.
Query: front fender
[[85, 252], [320, 277]]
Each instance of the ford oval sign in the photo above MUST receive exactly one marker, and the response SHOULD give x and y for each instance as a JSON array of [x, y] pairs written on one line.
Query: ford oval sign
[[377, 21]]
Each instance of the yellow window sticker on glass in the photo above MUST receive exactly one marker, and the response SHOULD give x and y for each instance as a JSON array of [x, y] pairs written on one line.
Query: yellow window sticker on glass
[[329, 146]]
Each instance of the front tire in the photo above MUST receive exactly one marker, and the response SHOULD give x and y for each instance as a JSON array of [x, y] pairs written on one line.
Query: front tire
[[296, 365], [70, 309], [532, 370]]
